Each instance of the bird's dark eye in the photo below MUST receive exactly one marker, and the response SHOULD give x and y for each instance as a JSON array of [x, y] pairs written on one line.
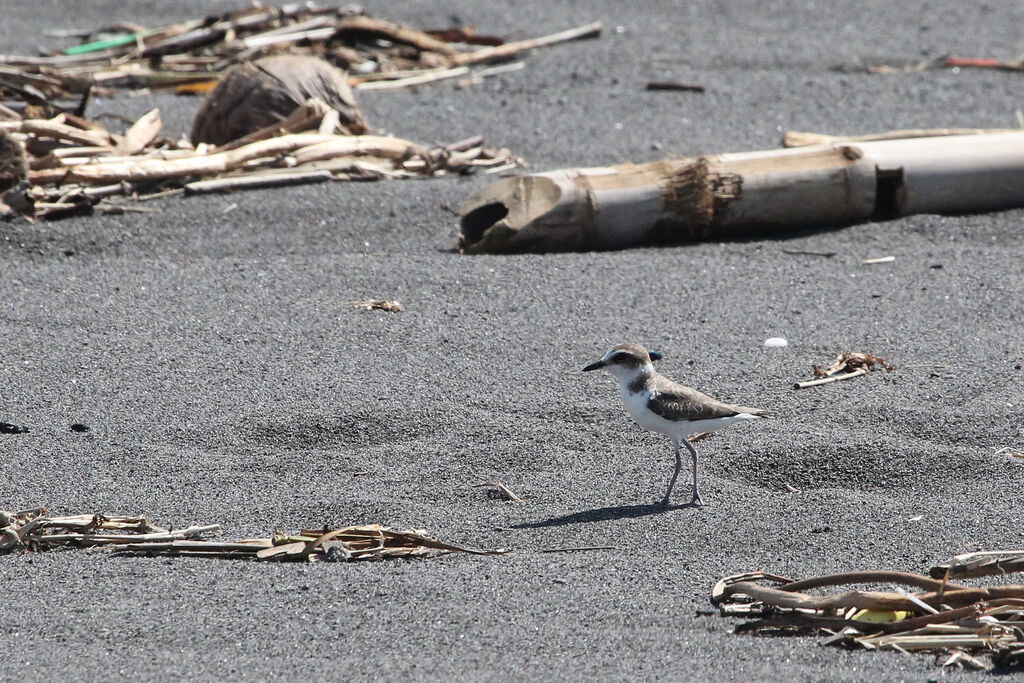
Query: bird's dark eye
[[619, 358]]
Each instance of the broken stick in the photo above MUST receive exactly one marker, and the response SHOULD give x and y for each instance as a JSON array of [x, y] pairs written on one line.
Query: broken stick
[[505, 491]]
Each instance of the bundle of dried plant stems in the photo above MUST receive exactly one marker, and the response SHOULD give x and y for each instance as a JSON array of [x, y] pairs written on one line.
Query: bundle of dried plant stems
[[34, 529], [943, 616]]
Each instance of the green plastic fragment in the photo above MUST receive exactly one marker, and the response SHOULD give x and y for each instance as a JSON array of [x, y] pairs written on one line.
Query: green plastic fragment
[[97, 45]]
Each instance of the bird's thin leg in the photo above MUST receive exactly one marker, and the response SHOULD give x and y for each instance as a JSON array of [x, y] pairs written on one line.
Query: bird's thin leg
[[693, 454], [679, 466]]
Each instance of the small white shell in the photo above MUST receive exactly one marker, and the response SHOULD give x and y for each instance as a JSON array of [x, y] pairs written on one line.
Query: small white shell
[[775, 342]]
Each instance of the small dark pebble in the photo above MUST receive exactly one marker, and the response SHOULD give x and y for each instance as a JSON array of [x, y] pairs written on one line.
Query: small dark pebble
[[8, 428], [821, 529], [935, 266], [79, 427], [1018, 366]]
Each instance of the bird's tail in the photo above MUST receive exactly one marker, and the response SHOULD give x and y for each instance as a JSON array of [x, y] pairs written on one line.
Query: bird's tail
[[754, 412]]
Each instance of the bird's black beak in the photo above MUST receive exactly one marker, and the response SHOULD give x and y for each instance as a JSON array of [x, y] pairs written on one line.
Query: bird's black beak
[[594, 366], [655, 355]]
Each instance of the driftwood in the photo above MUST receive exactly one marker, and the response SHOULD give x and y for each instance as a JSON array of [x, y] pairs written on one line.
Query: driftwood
[[744, 193], [944, 617]]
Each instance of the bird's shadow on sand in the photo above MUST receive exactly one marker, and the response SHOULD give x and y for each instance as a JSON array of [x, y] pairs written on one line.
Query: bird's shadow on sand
[[604, 515]]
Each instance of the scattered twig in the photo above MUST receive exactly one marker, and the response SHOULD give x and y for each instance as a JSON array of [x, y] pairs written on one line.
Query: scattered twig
[[504, 490], [880, 259], [420, 79], [828, 380], [498, 52], [699, 436], [377, 305], [579, 549], [801, 252], [674, 85]]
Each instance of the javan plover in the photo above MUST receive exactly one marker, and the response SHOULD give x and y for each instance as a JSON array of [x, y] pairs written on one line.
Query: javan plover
[[661, 405]]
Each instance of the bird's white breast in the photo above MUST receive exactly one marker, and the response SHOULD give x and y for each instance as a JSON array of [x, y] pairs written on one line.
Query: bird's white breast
[[636, 406]]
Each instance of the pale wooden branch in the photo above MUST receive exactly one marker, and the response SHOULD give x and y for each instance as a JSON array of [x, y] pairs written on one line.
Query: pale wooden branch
[[88, 539], [419, 79], [251, 181], [306, 146], [140, 134], [397, 33], [514, 48], [794, 138], [58, 131], [832, 378]]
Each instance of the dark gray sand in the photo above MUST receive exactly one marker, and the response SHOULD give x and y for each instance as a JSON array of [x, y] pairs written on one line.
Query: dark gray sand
[[209, 348]]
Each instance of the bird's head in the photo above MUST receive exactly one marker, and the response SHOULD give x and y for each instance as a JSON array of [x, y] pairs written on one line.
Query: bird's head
[[626, 361]]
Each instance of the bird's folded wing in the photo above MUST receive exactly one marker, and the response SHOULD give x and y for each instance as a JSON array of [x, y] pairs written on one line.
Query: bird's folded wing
[[683, 403]]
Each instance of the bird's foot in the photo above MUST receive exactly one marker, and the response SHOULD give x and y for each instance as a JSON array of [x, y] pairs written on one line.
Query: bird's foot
[[696, 501]]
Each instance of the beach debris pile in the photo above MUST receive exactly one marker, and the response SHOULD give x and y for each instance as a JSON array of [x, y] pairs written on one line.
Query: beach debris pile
[[962, 623], [847, 365], [190, 56], [34, 530], [300, 125], [77, 166]]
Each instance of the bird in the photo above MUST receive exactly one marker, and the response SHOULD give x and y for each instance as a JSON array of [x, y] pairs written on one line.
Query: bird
[[660, 405]]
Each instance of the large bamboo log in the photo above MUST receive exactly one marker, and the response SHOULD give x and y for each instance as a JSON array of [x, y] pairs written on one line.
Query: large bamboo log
[[750, 192]]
